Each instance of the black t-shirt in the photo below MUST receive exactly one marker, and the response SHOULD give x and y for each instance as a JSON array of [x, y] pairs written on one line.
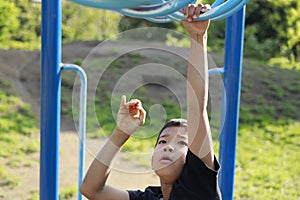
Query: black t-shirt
[[196, 182]]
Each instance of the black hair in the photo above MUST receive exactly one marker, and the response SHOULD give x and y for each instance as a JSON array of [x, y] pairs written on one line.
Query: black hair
[[170, 123]]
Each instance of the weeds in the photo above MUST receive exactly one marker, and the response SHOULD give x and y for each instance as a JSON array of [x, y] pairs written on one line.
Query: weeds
[[268, 138]]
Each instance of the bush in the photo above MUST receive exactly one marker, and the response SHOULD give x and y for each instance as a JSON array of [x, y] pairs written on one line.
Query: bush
[[8, 20], [284, 62]]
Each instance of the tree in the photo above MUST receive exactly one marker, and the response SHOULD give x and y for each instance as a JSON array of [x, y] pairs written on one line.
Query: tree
[[84, 23], [293, 33], [29, 19], [8, 20], [275, 24]]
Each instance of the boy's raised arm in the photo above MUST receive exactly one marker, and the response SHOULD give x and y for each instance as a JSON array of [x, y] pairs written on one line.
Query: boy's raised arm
[[200, 141], [131, 116]]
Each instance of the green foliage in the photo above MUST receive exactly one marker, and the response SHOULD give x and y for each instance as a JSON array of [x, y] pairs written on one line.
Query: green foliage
[[85, 23], [8, 20], [284, 63], [256, 48], [216, 36], [13, 113], [30, 146], [20, 23], [27, 25], [30, 21], [177, 40], [67, 193], [34, 195], [7, 179], [128, 23], [272, 28], [17, 123]]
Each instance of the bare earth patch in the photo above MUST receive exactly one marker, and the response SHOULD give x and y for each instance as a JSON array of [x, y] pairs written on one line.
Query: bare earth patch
[[22, 70]]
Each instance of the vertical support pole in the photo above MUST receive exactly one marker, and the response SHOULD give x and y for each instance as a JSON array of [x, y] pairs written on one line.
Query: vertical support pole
[[232, 83], [50, 99]]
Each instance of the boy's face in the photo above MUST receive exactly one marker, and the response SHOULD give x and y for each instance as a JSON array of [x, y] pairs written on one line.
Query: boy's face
[[170, 152]]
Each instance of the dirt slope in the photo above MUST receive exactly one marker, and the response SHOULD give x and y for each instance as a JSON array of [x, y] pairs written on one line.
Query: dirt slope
[[22, 70]]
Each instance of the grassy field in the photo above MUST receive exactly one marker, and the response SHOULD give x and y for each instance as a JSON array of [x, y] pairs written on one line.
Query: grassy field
[[269, 134], [17, 126], [266, 165], [268, 147]]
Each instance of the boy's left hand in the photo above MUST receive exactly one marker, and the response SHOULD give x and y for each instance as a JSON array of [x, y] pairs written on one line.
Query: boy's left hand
[[131, 115], [192, 12]]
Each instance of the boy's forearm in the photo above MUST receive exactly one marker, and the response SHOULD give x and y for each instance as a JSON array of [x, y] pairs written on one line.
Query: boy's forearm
[[197, 95], [99, 170], [118, 137], [112, 147], [199, 39], [198, 70]]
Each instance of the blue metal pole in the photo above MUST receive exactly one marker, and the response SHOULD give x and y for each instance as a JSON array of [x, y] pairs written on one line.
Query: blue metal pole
[[50, 99], [82, 120], [232, 83]]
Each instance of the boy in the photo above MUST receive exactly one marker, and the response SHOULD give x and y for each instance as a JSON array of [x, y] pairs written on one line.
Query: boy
[[183, 157]]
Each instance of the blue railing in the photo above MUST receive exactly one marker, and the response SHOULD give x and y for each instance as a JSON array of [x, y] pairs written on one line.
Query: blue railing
[[82, 119]]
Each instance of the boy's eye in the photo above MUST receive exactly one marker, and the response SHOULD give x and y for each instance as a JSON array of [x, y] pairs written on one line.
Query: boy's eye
[[183, 143], [162, 142]]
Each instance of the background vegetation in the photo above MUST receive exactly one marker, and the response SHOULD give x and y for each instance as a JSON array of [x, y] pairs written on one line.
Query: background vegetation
[[271, 27], [17, 126], [268, 142]]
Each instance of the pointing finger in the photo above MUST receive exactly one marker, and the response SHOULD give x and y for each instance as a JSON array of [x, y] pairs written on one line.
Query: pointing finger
[[123, 101]]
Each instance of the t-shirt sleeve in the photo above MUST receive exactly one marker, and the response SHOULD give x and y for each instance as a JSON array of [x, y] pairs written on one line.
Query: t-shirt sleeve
[[197, 181], [151, 193], [135, 194]]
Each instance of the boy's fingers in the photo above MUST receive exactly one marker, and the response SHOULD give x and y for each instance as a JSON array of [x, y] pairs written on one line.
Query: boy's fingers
[[206, 7], [134, 102], [191, 11], [123, 101], [185, 11], [142, 115], [198, 10]]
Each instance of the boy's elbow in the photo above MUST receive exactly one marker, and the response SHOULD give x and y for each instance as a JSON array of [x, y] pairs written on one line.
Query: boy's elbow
[[84, 190]]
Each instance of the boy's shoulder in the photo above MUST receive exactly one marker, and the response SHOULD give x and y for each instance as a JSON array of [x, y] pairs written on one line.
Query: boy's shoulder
[[150, 193], [197, 181]]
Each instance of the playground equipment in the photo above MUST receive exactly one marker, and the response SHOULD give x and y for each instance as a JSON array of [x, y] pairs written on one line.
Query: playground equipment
[[159, 11]]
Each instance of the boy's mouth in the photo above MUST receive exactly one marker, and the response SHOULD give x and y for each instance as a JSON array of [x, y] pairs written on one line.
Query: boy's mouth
[[165, 159]]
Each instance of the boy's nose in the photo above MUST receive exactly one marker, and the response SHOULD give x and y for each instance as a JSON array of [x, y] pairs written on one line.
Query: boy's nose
[[168, 148]]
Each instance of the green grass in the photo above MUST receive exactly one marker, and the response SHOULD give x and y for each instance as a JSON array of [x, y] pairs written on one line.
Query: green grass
[[17, 125], [34, 195], [68, 193], [273, 95], [8, 179], [267, 165], [268, 146]]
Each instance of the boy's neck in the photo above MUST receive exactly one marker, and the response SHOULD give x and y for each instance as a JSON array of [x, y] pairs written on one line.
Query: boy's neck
[[166, 189]]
